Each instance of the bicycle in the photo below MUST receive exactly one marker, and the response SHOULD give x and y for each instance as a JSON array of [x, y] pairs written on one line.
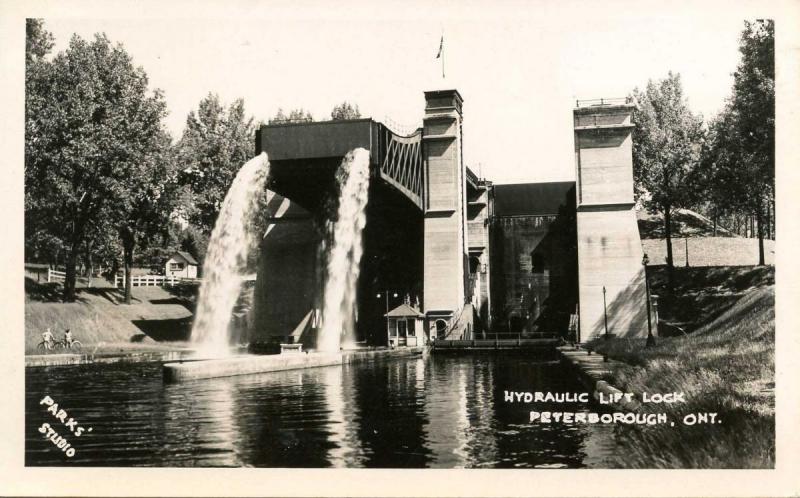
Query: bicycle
[[42, 346], [62, 344]]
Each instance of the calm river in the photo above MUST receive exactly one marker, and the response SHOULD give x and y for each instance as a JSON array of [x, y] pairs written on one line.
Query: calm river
[[441, 411]]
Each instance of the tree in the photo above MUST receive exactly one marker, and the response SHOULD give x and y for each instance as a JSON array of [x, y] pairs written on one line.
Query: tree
[[38, 41], [143, 209], [40, 243], [215, 144], [298, 115], [666, 148], [345, 111], [753, 112], [740, 157], [90, 123]]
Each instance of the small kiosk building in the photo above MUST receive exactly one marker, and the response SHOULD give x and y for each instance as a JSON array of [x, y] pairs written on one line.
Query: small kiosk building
[[406, 326]]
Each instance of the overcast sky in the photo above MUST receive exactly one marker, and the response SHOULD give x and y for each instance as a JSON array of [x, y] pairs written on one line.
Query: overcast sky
[[519, 65]]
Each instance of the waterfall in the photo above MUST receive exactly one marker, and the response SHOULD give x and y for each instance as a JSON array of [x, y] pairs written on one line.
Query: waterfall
[[226, 258], [338, 315]]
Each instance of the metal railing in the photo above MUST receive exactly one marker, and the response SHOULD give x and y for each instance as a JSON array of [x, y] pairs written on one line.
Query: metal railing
[[499, 340], [602, 102]]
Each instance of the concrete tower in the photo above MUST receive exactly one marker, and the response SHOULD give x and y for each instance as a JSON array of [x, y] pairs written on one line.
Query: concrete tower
[[444, 207], [609, 247]]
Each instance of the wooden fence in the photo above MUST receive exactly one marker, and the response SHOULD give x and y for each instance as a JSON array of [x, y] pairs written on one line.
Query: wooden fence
[[137, 281], [55, 276], [147, 280]]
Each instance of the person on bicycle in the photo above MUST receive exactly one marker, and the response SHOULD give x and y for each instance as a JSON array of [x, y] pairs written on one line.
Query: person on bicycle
[[48, 338], [68, 338]]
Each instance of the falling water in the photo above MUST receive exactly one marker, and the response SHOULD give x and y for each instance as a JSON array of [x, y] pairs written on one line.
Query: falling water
[[226, 258], [345, 253]]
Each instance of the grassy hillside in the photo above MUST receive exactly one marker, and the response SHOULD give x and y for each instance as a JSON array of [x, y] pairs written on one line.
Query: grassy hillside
[[684, 222], [726, 367], [693, 235], [702, 294], [99, 319], [709, 251]]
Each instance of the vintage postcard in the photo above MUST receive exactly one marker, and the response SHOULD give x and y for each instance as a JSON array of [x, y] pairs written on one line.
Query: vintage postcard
[[306, 249]]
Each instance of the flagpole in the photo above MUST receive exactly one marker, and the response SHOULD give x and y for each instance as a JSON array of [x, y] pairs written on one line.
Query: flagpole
[[440, 54]]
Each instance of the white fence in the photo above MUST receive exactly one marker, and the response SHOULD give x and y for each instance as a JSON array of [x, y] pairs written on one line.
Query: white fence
[[55, 276], [137, 281], [147, 281]]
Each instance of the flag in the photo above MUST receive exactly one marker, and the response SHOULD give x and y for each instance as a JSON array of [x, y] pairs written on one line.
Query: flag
[[441, 47]]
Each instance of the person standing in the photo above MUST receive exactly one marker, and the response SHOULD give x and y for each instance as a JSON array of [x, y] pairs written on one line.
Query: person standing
[[48, 338]]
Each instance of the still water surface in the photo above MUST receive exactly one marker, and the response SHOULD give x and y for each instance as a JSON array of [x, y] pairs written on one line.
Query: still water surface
[[439, 411]]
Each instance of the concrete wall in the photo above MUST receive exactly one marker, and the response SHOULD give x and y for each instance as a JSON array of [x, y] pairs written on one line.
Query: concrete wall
[[478, 217], [610, 254], [606, 173], [288, 285], [531, 298], [445, 204], [609, 247]]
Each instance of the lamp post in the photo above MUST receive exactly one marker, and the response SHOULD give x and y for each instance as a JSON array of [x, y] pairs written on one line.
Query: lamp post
[[605, 314], [651, 341], [388, 335]]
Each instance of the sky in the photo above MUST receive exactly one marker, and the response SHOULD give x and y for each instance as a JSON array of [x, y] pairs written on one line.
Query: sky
[[520, 66]]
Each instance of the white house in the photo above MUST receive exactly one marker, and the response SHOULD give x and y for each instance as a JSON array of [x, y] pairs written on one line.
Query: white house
[[181, 265]]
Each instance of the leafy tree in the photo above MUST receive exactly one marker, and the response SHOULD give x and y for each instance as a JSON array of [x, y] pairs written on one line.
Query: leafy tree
[[298, 115], [666, 149], [739, 160], [753, 110], [38, 41], [143, 209], [194, 242], [345, 111], [90, 122], [40, 243], [215, 144]]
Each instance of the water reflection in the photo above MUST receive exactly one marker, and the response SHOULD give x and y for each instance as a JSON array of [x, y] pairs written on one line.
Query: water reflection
[[434, 412], [344, 419]]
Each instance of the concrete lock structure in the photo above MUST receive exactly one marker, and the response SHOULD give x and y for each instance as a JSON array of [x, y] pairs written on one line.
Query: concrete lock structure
[[473, 258], [611, 271]]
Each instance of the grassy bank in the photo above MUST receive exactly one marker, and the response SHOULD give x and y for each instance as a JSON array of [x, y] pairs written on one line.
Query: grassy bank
[[702, 294], [157, 318], [726, 367]]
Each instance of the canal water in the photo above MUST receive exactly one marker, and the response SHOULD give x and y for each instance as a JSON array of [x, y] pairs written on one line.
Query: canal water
[[440, 411]]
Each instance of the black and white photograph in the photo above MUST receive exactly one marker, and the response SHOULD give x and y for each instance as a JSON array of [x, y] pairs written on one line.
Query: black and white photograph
[[420, 235]]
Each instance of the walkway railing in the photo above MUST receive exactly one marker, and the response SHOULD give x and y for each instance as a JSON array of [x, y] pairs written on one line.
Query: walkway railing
[[601, 102], [499, 340]]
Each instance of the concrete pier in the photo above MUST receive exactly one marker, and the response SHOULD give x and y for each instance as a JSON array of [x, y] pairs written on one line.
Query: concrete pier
[[595, 373], [251, 364], [64, 359]]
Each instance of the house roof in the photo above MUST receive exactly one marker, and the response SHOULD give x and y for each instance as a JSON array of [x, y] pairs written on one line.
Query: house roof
[[404, 311], [532, 199], [185, 255]]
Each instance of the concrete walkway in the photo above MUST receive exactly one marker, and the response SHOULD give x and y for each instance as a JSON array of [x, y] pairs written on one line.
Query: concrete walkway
[[61, 359], [595, 373], [252, 364]]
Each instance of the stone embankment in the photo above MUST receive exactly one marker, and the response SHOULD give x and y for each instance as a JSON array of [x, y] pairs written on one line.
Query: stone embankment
[[596, 373], [54, 360], [250, 364]]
